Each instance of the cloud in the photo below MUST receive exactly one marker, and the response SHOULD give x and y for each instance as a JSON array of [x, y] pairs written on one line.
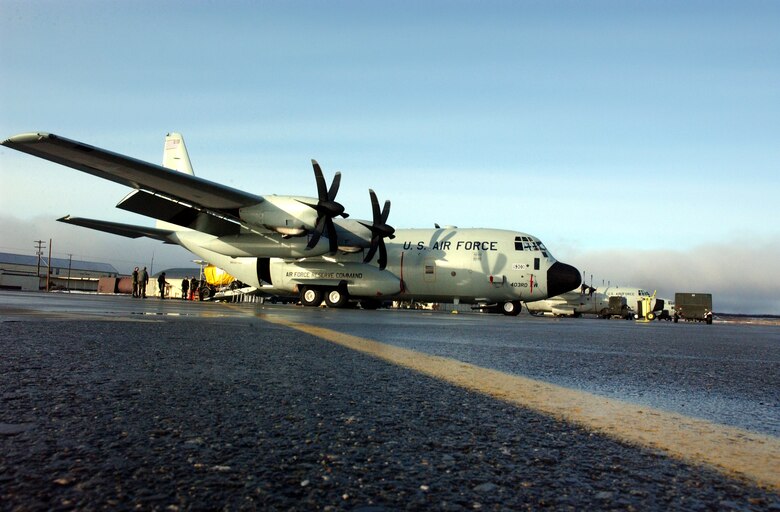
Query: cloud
[[742, 274]]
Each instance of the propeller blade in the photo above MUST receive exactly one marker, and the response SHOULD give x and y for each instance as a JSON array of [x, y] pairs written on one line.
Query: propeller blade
[[379, 231], [334, 186], [322, 189], [317, 233], [327, 208], [374, 205], [332, 236], [382, 255], [371, 251]]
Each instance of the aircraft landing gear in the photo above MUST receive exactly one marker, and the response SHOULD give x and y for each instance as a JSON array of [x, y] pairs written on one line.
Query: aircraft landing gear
[[311, 297], [370, 304], [336, 298], [511, 308]]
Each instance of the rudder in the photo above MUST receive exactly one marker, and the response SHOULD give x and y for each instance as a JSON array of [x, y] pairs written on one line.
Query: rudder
[[175, 154]]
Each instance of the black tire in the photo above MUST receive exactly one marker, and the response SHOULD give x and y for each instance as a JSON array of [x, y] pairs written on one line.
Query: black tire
[[370, 304], [336, 298], [311, 297], [511, 308]]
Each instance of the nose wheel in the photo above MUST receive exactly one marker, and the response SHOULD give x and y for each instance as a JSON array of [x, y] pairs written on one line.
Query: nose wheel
[[511, 308]]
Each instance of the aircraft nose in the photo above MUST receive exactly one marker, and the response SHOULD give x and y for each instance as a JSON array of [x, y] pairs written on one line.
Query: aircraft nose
[[562, 278]]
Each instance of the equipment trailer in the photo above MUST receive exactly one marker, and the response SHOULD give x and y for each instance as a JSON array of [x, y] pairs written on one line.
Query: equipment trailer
[[695, 307]]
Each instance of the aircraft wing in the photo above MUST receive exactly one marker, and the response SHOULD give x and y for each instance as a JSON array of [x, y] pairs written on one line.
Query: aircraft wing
[[118, 228], [134, 173]]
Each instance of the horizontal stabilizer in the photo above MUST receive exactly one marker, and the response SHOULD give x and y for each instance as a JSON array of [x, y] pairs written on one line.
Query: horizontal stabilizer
[[116, 228]]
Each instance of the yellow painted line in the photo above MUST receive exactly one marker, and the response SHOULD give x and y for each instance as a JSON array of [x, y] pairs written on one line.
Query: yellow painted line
[[733, 451]]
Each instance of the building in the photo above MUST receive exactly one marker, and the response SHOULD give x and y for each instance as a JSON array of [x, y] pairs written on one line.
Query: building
[[173, 278], [22, 272]]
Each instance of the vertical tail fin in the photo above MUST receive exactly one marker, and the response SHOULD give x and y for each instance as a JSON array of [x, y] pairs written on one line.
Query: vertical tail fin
[[175, 155]]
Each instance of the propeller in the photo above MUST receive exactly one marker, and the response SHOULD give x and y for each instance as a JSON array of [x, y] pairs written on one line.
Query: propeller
[[327, 208], [379, 231]]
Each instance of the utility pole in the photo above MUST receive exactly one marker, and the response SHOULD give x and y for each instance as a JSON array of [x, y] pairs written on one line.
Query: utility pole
[[40, 245], [48, 271], [70, 260]]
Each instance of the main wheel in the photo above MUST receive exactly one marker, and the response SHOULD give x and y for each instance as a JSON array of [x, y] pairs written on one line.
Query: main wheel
[[370, 304], [336, 298], [511, 308], [311, 297]]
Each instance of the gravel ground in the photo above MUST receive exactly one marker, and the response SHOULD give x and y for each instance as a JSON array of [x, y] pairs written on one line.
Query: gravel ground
[[239, 414]]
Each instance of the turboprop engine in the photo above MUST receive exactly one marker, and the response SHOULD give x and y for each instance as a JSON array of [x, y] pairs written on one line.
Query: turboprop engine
[[297, 216]]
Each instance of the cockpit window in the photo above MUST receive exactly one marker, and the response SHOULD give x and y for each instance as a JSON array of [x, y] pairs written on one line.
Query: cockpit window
[[525, 243]]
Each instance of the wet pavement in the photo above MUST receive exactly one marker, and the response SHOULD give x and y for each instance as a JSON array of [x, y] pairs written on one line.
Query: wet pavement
[[114, 402]]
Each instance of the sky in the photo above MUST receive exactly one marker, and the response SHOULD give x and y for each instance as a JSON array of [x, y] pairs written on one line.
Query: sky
[[639, 140]]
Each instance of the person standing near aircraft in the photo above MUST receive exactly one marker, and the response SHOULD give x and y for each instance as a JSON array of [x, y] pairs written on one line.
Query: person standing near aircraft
[[161, 284], [144, 282], [185, 286], [135, 282]]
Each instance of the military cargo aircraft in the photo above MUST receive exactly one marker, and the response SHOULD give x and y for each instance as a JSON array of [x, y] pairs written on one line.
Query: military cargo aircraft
[[590, 300], [309, 246], [571, 303], [633, 294]]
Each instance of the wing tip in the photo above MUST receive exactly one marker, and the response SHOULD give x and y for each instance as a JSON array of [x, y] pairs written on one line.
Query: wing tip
[[25, 138]]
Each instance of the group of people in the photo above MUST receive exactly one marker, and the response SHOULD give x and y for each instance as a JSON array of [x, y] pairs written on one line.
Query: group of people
[[189, 288], [140, 280]]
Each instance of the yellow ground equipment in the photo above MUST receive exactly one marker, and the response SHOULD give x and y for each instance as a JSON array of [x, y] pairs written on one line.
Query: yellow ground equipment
[[217, 277], [644, 309]]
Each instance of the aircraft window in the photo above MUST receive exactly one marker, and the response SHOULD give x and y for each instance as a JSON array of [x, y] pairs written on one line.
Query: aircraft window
[[536, 263], [524, 243]]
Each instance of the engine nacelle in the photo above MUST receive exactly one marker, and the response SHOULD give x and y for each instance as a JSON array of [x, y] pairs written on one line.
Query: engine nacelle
[[287, 215], [266, 245]]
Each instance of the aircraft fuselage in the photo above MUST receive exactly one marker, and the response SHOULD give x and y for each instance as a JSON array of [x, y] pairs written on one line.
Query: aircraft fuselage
[[444, 264]]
